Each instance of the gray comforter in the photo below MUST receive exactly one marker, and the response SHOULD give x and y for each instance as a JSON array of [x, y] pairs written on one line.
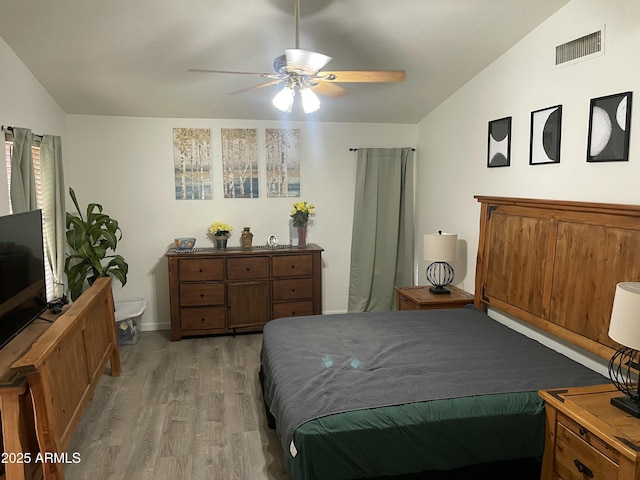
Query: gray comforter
[[321, 365]]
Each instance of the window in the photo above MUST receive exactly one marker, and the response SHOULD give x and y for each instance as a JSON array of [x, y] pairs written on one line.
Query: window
[[35, 156]]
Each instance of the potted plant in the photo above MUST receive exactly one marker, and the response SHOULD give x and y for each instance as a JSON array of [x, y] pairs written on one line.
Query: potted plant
[[220, 232], [91, 238]]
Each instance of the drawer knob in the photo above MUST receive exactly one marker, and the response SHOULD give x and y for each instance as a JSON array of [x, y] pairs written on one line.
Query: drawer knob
[[200, 270], [293, 266], [582, 468], [583, 431], [248, 268], [293, 289]]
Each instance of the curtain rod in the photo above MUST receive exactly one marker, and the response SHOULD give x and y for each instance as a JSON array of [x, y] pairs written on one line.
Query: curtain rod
[[9, 129], [355, 149]]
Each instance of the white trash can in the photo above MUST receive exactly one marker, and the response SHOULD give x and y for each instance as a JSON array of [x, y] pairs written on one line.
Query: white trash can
[[128, 315]]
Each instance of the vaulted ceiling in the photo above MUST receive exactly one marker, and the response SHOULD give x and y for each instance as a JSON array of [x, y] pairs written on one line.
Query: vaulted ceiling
[[131, 57]]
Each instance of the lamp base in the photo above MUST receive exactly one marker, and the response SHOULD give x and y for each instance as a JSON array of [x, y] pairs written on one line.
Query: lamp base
[[626, 404], [439, 274], [439, 290]]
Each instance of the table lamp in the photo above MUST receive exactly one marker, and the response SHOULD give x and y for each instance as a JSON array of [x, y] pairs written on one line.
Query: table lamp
[[624, 328], [441, 250]]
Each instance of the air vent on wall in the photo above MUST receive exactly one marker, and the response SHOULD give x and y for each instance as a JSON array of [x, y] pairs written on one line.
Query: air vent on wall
[[581, 48]]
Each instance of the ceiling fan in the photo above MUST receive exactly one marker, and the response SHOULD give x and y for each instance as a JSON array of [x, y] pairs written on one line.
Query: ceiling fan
[[301, 70]]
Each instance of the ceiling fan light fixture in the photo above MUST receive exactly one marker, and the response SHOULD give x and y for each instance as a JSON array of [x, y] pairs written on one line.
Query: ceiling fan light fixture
[[283, 100], [301, 69], [305, 60], [310, 101]]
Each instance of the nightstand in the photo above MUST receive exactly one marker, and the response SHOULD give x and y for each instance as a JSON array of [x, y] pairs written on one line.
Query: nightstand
[[588, 438], [420, 298]]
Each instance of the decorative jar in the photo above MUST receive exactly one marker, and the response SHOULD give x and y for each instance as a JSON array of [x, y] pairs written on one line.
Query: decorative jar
[[246, 239]]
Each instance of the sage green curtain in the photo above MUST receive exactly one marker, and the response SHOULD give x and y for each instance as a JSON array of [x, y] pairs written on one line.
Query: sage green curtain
[[383, 234], [22, 186], [53, 208]]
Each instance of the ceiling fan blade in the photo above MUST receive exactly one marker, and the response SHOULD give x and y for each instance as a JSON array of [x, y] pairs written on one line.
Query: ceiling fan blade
[[305, 60], [204, 70], [329, 89], [257, 87], [364, 76]]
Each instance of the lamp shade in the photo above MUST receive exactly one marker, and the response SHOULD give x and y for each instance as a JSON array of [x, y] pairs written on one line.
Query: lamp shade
[[310, 101], [624, 327], [440, 247], [283, 100]]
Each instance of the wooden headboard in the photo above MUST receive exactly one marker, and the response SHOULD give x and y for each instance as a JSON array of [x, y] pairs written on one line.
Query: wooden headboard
[[555, 264]]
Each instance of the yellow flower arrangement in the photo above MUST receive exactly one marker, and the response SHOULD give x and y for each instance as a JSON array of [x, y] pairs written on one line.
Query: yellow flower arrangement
[[220, 229], [301, 212]]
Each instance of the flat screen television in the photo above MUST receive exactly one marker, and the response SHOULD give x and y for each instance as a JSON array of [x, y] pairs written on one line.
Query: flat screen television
[[23, 294]]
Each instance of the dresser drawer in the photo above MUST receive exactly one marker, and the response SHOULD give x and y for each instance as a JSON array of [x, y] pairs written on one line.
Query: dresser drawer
[[196, 294], [199, 318], [194, 270], [293, 289], [292, 309], [578, 456], [406, 304], [292, 265], [243, 268], [588, 437]]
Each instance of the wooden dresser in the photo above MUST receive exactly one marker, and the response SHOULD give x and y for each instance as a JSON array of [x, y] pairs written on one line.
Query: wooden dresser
[[239, 290], [420, 298], [48, 375], [587, 437]]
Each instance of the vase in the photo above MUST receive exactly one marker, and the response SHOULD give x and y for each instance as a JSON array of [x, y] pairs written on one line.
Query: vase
[[221, 242], [302, 237], [247, 238]]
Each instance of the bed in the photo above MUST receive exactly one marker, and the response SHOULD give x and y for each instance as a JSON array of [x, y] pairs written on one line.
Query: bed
[[373, 394]]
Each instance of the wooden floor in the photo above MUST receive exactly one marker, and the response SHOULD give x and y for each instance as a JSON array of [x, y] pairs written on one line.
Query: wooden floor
[[180, 410], [192, 410]]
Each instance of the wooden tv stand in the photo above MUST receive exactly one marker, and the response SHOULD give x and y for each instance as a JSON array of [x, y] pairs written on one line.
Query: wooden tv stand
[[48, 374]]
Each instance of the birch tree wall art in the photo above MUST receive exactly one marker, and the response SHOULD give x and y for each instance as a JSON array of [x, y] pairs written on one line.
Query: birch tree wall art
[[283, 162], [240, 162], [192, 163]]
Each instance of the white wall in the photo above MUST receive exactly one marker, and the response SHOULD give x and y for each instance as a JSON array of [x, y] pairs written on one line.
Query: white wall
[[24, 103], [126, 164], [452, 140]]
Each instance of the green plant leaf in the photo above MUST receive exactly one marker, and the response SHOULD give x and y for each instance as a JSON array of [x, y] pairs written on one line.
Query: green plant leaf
[[92, 239], [76, 274], [118, 268], [72, 193]]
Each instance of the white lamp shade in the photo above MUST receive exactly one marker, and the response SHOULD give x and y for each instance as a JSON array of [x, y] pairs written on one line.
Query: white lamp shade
[[310, 101], [283, 100], [624, 327], [440, 247]]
